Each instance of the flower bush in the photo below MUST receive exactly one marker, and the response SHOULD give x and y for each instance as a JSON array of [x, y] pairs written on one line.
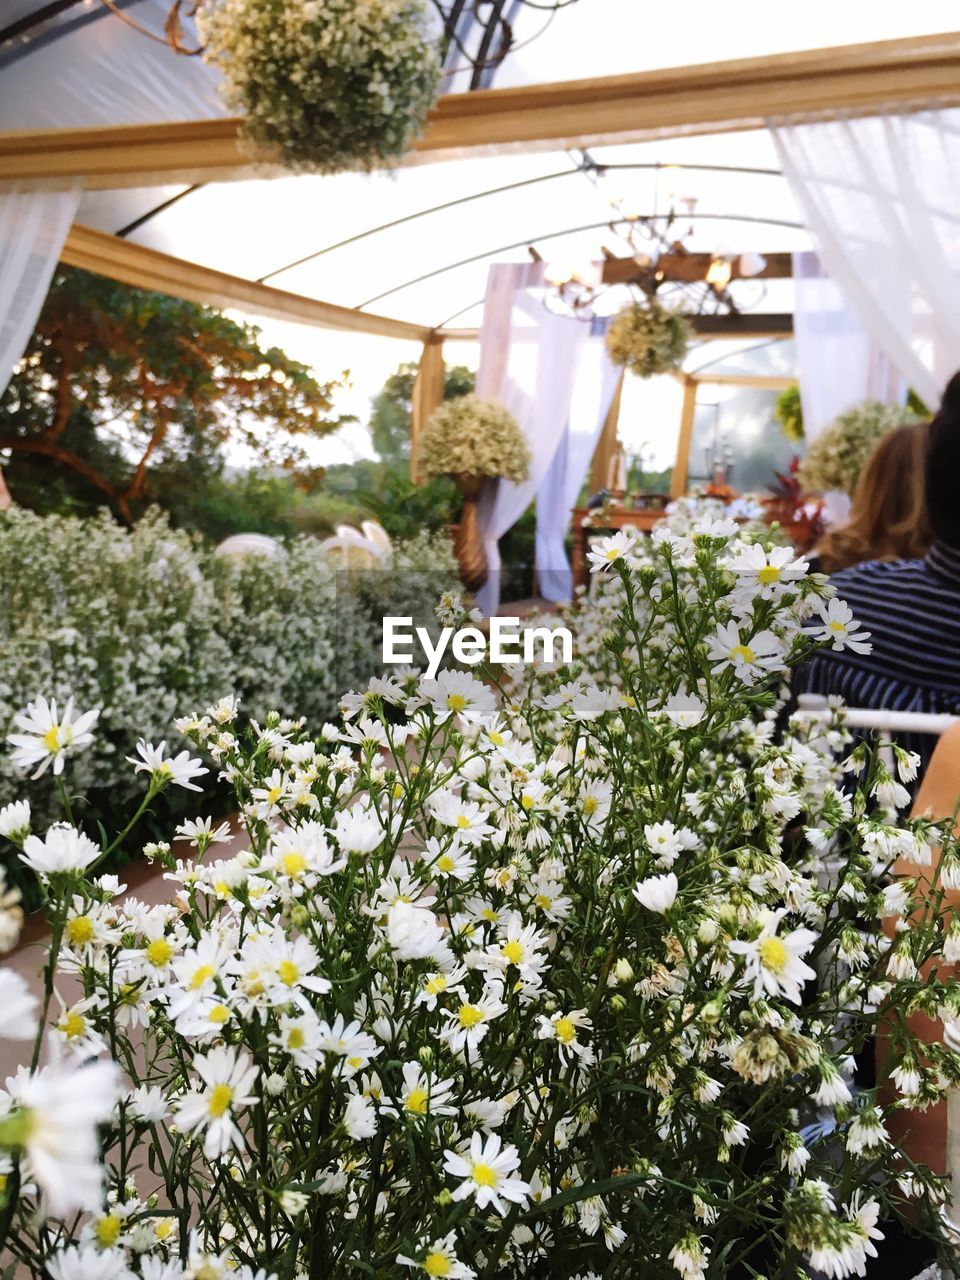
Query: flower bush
[[474, 437], [648, 338], [145, 622], [558, 981], [325, 85], [835, 459]]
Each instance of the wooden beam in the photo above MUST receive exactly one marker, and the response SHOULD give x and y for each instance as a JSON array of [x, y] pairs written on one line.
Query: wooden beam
[[712, 98], [147, 269], [606, 442], [690, 267], [427, 396], [458, 335], [681, 467], [755, 325], [770, 382]]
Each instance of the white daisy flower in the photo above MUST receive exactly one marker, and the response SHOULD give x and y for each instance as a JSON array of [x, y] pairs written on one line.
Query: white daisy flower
[[484, 1170], [64, 848], [178, 770], [48, 737], [228, 1076]]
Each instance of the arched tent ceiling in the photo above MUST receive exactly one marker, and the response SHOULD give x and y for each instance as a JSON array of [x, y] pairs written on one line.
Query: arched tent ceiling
[[416, 245]]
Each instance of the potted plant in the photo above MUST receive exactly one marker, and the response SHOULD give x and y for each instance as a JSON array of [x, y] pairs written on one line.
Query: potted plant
[[473, 440]]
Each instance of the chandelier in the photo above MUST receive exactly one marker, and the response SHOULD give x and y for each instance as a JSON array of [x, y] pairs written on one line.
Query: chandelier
[[657, 257], [475, 35]]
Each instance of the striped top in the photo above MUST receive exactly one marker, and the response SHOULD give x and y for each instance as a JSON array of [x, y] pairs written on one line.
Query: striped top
[[912, 610]]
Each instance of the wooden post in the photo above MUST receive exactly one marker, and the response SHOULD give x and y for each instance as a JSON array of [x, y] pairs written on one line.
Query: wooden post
[[427, 396], [678, 483], [607, 442]]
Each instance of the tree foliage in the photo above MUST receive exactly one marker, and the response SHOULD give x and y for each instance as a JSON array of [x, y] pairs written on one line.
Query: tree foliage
[[118, 383], [392, 409]]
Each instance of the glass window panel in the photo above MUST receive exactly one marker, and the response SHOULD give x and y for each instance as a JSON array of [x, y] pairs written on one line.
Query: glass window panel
[[735, 427]]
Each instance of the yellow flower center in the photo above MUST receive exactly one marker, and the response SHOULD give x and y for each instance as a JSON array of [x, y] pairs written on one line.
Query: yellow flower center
[[398, 791], [743, 652], [293, 864], [496, 738], [445, 863], [436, 1264], [543, 902], [52, 740], [80, 930], [108, 1231], [527, 801], [590, 805], [565, 1030], [416, 1101], [203, 974], [295, 1038], [274, 794], [73, 1025], [220, 1097], [837, 627], [462, 822], [159, 953], [223, 888], [288, 973], [513, 951], [456, 702], [773, 955], [355, 1063], [436, 984], [612, 553], [469, 1015], [218, 1015], [769, 573], [163, 1228], [488, 913], [484, 1176]]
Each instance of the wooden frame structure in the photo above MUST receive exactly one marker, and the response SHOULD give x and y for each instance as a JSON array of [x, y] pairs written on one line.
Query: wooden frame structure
[[714, 98]]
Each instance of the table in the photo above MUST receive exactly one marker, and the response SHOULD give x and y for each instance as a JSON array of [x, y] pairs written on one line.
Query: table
[[588, 521]]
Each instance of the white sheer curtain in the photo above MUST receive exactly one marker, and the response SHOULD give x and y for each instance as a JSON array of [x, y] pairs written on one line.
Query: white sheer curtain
[[593, 394], [528, 362], [838, 362], [33, 226], [881, 197]]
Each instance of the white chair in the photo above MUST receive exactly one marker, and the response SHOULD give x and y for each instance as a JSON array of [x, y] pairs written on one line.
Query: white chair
[[239, 545], [351, 552], [374, 532], [813, 706]]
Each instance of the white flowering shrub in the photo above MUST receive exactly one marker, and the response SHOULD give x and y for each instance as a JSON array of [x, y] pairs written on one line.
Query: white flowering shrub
[[144, 622], [564, 981], [124, 621], [325, 85], [474, 437], [836, 457]]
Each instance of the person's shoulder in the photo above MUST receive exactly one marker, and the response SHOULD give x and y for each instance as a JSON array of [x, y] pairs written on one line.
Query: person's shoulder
[[871, 571]]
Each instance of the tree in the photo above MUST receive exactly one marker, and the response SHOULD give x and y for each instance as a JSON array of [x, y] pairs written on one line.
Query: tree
[[117, 382], [392, 409]]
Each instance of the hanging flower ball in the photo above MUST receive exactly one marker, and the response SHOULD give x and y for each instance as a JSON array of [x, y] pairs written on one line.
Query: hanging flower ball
[[324, 85], [837, 456], [474, 437], [648, 338]]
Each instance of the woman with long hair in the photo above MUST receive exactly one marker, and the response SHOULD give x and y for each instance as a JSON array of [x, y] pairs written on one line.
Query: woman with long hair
[[888, 515]]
